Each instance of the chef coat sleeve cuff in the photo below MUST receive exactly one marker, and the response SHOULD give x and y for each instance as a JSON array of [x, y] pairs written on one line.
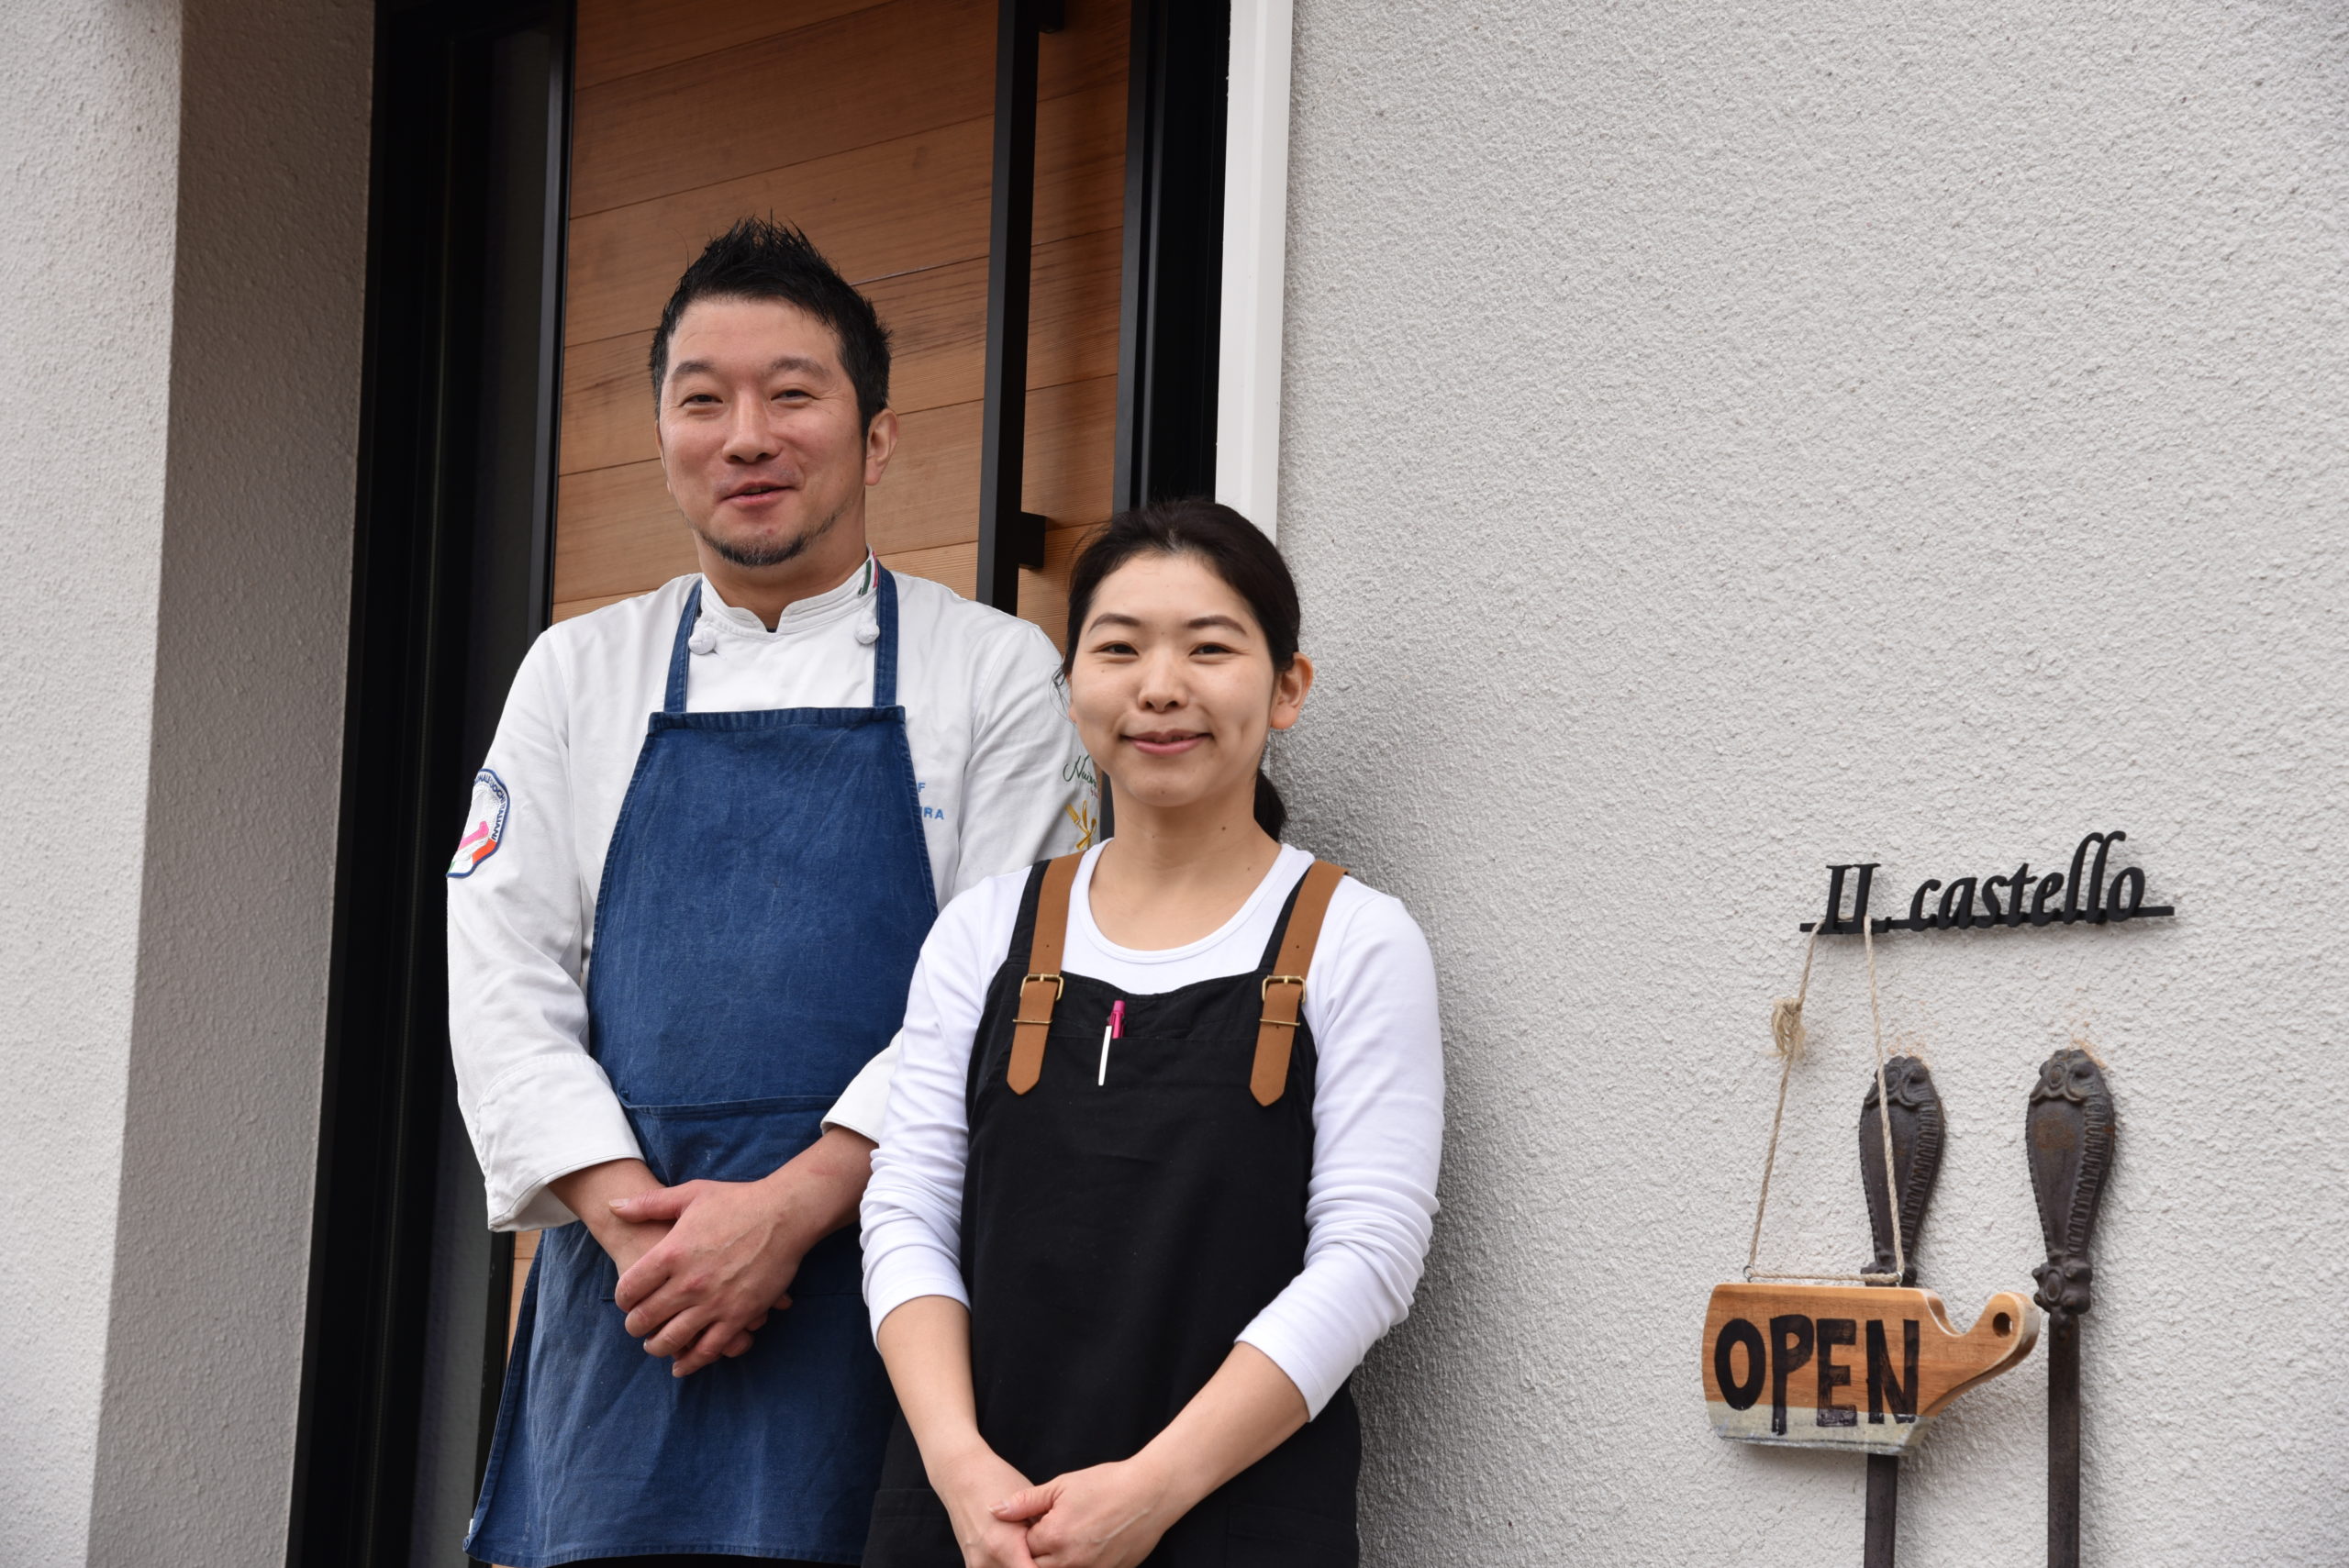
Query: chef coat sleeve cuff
[[546, 1119], [1289, 1352], [863, 1106]]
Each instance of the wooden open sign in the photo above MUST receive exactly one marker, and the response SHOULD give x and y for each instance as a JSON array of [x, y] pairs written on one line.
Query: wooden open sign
[[1854, 1367]]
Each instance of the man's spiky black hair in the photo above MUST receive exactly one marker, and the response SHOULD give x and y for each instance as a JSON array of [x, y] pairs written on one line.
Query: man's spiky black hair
[[760, 259]]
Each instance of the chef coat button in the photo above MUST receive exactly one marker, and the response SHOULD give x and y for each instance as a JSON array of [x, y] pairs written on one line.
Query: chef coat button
[[703, 640], [868, 630]]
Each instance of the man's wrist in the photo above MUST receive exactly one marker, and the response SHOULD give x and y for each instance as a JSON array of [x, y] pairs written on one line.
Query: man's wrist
[[816, 1191], [589, 1192], [797, 1212]]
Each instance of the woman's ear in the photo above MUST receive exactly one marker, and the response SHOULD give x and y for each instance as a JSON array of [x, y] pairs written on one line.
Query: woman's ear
[[1288, 692]]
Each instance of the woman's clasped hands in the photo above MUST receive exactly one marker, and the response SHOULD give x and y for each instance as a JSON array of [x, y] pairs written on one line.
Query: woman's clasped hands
[[1107, 1516]]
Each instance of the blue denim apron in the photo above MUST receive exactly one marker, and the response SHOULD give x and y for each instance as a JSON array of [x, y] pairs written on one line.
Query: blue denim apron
[[764, 896]]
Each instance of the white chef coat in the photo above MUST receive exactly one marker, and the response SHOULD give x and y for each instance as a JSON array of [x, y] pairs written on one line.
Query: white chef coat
[[1377, 1106], [1000, 778]]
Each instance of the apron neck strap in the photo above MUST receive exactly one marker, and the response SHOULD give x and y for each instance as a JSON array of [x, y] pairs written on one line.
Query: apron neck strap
[[1043, 984], [885, 648], [681, 651], [1283, 990]]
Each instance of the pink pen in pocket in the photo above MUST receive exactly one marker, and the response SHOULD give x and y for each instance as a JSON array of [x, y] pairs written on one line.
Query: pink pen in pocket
[[1116, 1027]]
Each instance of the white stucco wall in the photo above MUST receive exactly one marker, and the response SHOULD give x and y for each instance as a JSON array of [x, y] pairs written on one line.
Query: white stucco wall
[[180, 333], [1721, 440], [87, 179]]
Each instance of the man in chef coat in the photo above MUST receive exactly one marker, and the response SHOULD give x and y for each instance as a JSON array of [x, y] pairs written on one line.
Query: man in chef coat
[[715, 825]]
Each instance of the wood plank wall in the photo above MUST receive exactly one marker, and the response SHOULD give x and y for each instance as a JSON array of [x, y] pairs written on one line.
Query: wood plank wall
[[871, 127]]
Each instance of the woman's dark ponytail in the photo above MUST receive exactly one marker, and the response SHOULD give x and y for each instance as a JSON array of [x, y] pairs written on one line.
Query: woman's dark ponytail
[[1271, 815], [1249, 564]]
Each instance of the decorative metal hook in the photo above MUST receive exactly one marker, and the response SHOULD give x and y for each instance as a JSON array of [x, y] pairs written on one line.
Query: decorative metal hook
[[2070, 1132], [1917, 1139]]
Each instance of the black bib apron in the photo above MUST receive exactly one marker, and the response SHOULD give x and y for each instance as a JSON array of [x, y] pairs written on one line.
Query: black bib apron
[[1117, 1237]]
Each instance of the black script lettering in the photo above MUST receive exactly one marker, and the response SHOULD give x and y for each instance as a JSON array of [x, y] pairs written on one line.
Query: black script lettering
[[1884, 1389], [1958, 913], [2094, 885], [1834, 1331], [1991, 913], [2096, 882], [2133, 881], [2049, 885], [1739, 1394], [2018, 884], [1789, 1353], [1836, 923], [1917, 918], [2072, 891]]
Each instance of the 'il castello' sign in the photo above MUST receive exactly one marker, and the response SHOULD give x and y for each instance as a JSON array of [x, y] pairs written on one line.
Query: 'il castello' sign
[[2092, 890]]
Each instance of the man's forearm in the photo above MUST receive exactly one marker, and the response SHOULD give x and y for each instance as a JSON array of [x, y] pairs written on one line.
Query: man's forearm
[[821, 1186], [590, 1193]]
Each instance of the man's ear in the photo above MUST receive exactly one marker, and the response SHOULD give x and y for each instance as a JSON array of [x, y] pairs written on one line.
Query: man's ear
[[880, 445], [1288, 692]]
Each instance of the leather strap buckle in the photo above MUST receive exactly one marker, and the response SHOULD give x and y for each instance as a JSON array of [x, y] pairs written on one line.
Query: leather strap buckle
[[1276, 1028], [1060, 988], [1028, 1033]]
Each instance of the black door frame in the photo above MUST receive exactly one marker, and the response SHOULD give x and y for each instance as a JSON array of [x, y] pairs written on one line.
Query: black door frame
[[1171, 303], [406, 774], [1170, 298]]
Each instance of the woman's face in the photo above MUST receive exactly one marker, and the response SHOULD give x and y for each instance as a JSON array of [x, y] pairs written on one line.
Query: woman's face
[[1173, 687]]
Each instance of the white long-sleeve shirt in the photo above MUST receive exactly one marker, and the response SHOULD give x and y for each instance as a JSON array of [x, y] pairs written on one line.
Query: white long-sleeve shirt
[[1377, 1106], [1000, 781]]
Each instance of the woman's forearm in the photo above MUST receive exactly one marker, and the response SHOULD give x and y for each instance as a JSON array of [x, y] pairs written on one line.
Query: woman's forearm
[[1247, 1409], [926, 1345]]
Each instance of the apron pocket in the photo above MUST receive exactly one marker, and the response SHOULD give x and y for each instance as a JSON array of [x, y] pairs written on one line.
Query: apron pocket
[[743, 1141]]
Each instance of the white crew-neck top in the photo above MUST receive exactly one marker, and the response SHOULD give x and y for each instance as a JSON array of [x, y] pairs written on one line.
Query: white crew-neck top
[[1378, 1105]]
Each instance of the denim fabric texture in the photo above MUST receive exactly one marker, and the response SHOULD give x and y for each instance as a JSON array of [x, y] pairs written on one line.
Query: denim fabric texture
[[764, 897]]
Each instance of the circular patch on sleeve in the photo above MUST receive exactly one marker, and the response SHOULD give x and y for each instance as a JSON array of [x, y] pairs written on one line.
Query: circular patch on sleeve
[[484, 824]]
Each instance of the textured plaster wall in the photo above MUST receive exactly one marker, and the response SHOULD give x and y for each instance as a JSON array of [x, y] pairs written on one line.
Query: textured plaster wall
[[180, 331], [1721, 440], [88, 165], [220, 1128]]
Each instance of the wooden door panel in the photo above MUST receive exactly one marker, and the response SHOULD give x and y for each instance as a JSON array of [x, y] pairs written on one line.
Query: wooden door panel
[[810, 93], [608, 403], [790, 98], [1043, 596], [938, 319], [877, 211], [622, 37]]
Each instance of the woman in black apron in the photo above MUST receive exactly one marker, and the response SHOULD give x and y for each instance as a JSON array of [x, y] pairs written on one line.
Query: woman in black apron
[[1161, 1143]]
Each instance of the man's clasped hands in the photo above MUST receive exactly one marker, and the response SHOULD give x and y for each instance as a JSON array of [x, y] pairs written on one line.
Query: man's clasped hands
[[703, 1266]]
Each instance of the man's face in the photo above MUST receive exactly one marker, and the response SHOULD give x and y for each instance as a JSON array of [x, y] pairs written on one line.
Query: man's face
[[760, 440]]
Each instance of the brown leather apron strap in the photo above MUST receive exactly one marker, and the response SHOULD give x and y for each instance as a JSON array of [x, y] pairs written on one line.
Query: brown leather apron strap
[[1284, 988], [1042, 987]]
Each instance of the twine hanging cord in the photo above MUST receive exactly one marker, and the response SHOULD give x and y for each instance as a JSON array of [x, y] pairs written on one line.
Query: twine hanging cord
[[1786, 1034]]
